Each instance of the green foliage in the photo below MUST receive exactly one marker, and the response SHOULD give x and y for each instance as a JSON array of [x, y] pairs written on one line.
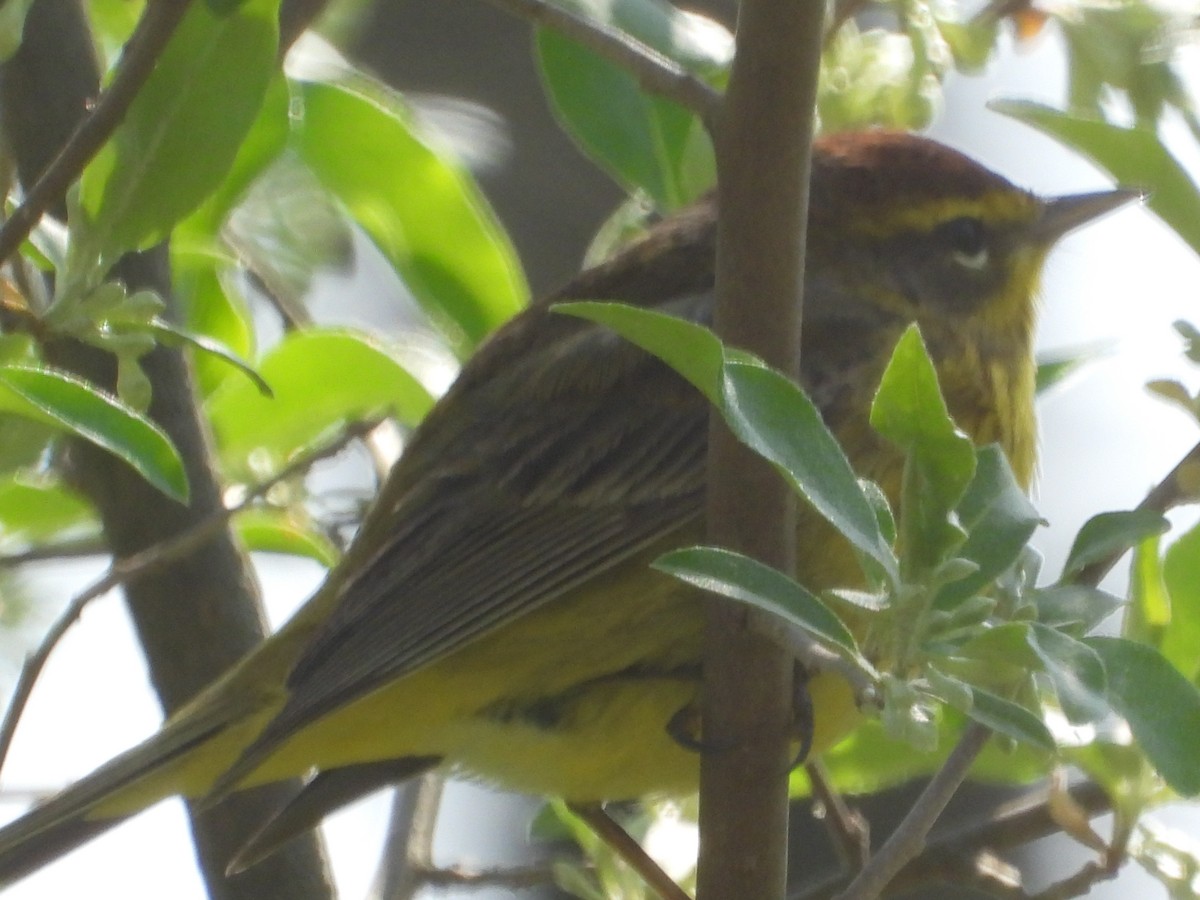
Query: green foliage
[[1165, 729], [257, 179], [312, 395], [748, 581], [262, 180], [419, 208], [765, 410], [1108, 533], [646, 143], [179, 137], [65, 401], [960, 620], [38, 508]]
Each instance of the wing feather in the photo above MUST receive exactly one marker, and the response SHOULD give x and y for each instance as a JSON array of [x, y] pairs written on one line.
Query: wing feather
[[580, 453]]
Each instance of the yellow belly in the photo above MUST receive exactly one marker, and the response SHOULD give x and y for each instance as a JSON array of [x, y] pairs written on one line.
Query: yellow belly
[[572, 700]]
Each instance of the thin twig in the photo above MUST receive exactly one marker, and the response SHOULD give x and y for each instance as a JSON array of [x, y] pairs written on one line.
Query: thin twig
[[407, 859], [148, 560], [154, 29], [908, 840], [609, 831], [1014, 824], [74, 549], [655, 72], [515, 878], [1178, 487], [1089, 875], [849, 830]]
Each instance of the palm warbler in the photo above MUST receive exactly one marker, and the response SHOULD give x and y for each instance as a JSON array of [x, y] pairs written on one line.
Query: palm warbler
[[496, 615]]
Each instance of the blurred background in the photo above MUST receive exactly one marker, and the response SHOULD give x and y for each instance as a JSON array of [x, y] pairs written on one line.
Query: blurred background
[[467, 68]]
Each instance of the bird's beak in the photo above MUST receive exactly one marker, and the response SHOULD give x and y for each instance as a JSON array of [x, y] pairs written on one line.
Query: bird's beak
[[1063, 214]]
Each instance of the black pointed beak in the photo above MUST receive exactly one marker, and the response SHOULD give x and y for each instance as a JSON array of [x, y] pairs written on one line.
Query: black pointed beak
[[1064, 214]]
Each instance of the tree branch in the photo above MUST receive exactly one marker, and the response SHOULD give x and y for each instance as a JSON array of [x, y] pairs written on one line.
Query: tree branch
[[1025, 819], [141, 53], [407, 858], [609, 831], [908, 840], [763, 150]]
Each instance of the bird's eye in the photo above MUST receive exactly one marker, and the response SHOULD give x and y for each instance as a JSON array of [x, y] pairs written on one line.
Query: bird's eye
[[967, 241]]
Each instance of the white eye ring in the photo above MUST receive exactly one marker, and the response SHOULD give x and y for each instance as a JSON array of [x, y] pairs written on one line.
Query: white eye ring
[[976, 261]]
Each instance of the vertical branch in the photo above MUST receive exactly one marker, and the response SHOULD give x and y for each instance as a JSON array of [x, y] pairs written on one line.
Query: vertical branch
[[202, 615], [763, 154]]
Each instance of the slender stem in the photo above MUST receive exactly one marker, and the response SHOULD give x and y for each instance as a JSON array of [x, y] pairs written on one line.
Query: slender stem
[[1025, 819], [908, 840], [1180, 486], [148, 560], [609, 831], [655, 72], [70, 549], [408, 849], [517, 878], [158, 22], [849, 830]]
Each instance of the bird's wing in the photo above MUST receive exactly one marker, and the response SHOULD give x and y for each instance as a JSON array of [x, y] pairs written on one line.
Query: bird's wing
[[570, 456]]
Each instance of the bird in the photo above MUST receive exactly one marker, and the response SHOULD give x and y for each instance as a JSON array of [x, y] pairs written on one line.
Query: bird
[[496, 616]]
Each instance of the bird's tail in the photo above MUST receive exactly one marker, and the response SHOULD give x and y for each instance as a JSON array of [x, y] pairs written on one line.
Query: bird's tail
[[122, 787]]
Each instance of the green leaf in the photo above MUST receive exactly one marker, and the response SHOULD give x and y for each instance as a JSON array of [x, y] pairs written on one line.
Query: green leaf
[[25, 441], [1160, 705], [1076, 672], [690, 349], [422, 210], [970, 41], [869, 761], [62, 399], [765, 410], [1010, 719], [1149, 607], [999, 520], [775, 418], [263, 143], [174, 334], [182, 132], [748, 581], [939, 459], [212, 308], [877, 77], [12, 24], [277, 531], [645, 142], [1179, 640], [38, 508], [1133, 156], [1112, 532], [321, 379], [1055, 368], [909, 410], [999, 657], [1074, 608]]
